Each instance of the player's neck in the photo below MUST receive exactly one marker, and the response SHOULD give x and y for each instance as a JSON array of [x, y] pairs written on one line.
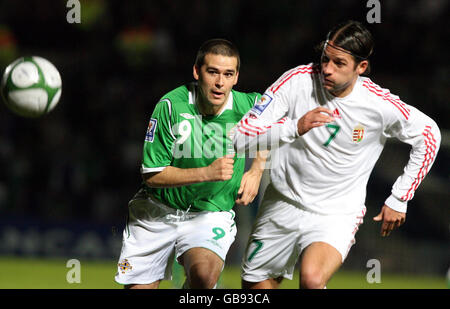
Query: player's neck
[[207, 109]]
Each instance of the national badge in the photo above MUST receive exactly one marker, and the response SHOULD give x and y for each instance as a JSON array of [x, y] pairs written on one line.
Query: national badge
[[124, 265], [358, 133]]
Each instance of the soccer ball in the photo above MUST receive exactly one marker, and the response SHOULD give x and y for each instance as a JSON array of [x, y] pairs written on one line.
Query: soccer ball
[[31, 86]]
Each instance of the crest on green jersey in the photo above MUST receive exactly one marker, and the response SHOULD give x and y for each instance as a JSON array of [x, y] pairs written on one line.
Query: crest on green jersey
[[151, 130]]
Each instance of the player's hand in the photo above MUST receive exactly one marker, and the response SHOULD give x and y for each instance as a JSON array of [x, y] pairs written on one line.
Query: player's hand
[[249, 187], [313, 119], [391, 220], [221, 169]]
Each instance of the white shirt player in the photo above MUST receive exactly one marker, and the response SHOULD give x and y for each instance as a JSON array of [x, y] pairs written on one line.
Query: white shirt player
[[327, 169]]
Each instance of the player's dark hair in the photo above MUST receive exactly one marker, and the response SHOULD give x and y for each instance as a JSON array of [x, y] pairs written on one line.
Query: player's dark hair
[[217, 47], [353, 37]]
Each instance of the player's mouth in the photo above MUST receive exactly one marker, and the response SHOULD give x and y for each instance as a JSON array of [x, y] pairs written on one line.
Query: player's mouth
[[328, 82], [217, 94]]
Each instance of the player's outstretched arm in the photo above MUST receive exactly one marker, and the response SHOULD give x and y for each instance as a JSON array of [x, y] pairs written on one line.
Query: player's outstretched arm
[[221, 169], [251, 179], [391, 219]]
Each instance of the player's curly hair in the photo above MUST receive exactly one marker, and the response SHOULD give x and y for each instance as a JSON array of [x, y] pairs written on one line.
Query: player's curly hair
[[353, 37], [217, 47]]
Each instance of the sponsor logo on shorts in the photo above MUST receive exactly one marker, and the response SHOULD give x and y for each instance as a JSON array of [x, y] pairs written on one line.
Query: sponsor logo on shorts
[[124, 266]]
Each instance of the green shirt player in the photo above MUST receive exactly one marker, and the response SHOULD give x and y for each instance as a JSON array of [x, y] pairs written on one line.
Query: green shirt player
[[192, 178]]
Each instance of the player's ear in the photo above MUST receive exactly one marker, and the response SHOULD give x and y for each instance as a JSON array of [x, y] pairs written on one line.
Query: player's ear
[[236, 78], [362, 67], [196, 72]]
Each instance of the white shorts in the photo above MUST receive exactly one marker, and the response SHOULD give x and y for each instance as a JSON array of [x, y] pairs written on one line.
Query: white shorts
[[282, 231], [155, 234]]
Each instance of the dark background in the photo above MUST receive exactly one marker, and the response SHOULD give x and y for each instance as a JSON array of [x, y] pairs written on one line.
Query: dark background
[[76, 168]]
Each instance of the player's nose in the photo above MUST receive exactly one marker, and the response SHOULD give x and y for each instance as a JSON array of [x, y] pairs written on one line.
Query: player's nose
[[219, 80], [327, 69]]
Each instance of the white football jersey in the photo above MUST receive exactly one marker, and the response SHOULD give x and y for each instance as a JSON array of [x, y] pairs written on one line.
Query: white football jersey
[[327, 169]]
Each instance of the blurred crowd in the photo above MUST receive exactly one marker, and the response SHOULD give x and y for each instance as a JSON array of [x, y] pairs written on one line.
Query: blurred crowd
[[81, 162]]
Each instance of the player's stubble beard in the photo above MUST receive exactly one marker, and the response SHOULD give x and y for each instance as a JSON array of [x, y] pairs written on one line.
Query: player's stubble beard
[[206, 107], [337, 89]]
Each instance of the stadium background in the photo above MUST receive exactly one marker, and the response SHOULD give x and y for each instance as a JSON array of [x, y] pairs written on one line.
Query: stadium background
[[65, 178]]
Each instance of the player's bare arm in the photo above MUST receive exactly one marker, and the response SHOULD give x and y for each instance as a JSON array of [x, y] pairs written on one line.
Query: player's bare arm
[[391, 219], [313, 119], [220, 170], [251, 179]]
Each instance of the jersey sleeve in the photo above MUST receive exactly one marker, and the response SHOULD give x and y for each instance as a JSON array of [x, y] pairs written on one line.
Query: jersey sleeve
[[266, 125], [413, 127], [159, 139]]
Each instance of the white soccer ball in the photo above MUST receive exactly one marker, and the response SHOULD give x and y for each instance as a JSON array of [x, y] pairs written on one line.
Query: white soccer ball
[[31, 86]]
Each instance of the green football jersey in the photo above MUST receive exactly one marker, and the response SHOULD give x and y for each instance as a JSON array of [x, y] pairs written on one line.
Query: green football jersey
[[178, 135]]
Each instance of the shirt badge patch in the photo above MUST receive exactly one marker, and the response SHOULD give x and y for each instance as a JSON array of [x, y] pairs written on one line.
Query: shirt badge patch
[[124, 265], [358, 133], [151, 130], [261, 105]]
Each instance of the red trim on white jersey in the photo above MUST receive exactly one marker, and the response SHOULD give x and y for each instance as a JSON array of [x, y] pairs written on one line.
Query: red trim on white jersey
[[430, 154], [386, 95], [303, 69], [250, 130], [246, 133]]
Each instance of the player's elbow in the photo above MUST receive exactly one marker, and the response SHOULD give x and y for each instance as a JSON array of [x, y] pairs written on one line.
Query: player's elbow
[[432, 135], [152, 179], [438, 136]]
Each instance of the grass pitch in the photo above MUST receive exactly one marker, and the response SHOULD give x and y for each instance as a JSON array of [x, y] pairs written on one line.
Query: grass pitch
[[27, 273]]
